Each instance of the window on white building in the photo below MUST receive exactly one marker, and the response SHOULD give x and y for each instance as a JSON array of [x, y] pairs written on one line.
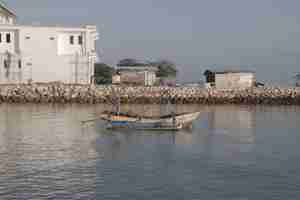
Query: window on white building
[[80, 39], [8, 39], [71, 39], [20, 64], [0, 37], [6, 64]]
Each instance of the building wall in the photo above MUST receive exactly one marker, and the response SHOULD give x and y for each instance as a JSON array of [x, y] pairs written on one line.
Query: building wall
[[47, 55], [116, 79], [234, 80], [5, 44], [167, 81], [13, 73], [146, 78], [5, 17], [133, 77], [66, 48], [150, 78]]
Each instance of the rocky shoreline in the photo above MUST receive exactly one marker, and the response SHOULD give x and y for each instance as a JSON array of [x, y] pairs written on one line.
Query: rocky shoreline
[[90, 94]]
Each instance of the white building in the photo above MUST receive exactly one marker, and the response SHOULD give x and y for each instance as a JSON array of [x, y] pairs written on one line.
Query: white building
[[136, 75], [230, 79], [7, 16], [31, 53]]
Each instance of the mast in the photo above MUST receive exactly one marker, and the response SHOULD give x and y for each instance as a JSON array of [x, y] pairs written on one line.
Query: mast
[[116, 104], [166, 106]]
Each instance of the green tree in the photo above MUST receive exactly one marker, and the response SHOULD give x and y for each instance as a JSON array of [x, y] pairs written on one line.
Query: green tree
[[165, 68], [130, 62], [103, 73]]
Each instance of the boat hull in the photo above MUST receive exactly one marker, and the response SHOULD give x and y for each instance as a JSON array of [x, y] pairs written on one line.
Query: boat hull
[[142, 123]]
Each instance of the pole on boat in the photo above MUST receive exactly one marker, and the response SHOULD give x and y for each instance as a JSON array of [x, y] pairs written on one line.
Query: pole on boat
[[115, 100], [167, 102]]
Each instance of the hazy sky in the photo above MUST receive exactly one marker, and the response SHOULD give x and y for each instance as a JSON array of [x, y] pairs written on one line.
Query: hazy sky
[[263, 35]]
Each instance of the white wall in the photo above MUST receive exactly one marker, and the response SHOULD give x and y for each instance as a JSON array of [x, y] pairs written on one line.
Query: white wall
[[66, 48], [4, 45], [150, 78], [234, 80], [48, 56], [6, 19], [146, 78], [12, 74]]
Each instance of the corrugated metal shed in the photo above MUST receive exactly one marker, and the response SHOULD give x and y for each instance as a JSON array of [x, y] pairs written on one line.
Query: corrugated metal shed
[[145, 78], [231, 79], [232, 71], [137, 75], [236, 80]]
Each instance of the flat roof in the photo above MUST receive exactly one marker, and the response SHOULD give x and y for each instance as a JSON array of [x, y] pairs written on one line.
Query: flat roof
[[230, 71], [233, 71], [66, 27]]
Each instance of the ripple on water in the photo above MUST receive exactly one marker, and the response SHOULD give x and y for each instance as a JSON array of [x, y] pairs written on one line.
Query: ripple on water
[[232, 153]]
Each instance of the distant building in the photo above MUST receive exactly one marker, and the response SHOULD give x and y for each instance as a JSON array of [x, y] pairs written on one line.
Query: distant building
[[30, 53], [167, 81], [116, 79], [230, 79], [136, 75], [192, 84]]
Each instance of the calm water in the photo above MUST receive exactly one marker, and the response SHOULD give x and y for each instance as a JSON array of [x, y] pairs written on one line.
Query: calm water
[[237, 153]]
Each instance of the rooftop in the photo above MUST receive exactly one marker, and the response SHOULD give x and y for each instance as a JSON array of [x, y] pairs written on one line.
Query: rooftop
[[228, 71], [38, 25], [137, 68], [5, 7], [232, 71]]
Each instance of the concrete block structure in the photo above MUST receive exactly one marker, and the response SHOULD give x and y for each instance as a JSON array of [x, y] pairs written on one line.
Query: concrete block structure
[[44, 54], [137, 75]]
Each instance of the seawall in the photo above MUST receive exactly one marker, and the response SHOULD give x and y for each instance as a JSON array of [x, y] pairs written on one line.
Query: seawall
[[60, 93]]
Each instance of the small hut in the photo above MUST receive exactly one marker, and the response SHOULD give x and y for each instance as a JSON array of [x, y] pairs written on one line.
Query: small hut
[[230, 79], [137, 75]]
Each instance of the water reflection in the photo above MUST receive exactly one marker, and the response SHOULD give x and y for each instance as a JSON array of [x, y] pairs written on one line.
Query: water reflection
[[41, 148], [46, 153], [232, 123], [219, 130], [177, 164]]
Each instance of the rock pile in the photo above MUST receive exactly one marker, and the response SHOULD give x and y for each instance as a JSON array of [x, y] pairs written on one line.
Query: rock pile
[[89, 94]]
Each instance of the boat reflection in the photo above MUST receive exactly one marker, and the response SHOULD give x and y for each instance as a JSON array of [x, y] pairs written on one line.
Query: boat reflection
[[222, 129]]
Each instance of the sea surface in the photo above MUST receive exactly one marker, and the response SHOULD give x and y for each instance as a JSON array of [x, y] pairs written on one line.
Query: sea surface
[[232, 152]]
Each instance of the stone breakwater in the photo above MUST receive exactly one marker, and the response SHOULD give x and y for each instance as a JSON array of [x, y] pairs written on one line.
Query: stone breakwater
[[60, 93]]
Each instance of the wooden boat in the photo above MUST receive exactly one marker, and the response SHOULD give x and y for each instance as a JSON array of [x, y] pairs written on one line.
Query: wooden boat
[[171, 122], [118, 120]]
